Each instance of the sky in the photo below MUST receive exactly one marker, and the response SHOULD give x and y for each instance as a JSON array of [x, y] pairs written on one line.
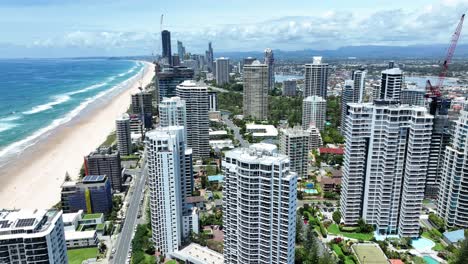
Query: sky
[[71, 28]]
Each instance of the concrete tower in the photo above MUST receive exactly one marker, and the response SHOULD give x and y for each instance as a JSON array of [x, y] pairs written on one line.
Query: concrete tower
[[256, 90], [196, 105], [385, 164], [270, 62], [124, 139], [259, 206], [316, 78]]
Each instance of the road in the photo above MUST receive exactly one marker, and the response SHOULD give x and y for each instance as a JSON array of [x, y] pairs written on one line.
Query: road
[[125, 237], [234, 128], [221, 90]]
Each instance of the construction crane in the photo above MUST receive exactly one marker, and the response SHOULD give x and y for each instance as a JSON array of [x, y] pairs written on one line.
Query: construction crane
[[435, 91]]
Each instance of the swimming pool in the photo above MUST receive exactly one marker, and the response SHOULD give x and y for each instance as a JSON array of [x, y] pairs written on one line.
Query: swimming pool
[[430, 260], [218, 178], [422, 244], [311, 191]]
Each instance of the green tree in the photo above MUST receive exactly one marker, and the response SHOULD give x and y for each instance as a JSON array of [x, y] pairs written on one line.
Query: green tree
[[462, 255], [336, 217], [310, 245], [300, 255], [364, 227], [299, 229]]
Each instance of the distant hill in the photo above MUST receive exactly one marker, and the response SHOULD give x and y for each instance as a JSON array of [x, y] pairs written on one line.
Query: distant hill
[[360, 52]]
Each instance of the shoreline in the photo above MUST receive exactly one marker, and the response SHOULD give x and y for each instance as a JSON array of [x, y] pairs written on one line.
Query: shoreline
[[33, 178]]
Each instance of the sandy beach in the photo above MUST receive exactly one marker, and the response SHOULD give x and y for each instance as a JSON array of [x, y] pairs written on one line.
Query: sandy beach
[[33, 180]]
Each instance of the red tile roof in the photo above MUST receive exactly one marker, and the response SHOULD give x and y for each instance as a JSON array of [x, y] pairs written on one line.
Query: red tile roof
[[396, 261], [337, 151]]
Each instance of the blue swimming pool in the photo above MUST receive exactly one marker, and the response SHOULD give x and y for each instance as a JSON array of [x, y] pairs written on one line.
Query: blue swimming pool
[[311, 191], [430, 260], [422, 244], [217, 178]]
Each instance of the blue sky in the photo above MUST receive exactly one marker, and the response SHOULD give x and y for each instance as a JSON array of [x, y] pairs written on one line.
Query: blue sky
[[56, 28]]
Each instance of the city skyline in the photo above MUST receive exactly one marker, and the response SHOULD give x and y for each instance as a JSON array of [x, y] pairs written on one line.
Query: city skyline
[[109, 29]]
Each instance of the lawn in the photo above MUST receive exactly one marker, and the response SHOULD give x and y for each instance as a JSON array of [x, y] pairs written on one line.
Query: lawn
[[76, 256], [438, 247], [367, 252], [217, 194], [91, 216], [337, 249], [171, 262], [335, 230], [339, 252], [110, 139]]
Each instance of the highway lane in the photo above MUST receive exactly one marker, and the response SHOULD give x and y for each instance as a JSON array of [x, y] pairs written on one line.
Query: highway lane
[[125, 237]]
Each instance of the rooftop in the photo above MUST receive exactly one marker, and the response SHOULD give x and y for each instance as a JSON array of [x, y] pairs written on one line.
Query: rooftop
[[295, 132], [15, 223], [123, 116], [92, 216], [328, 180], [393, 71], [218, 133], [266, 130], [94, 178], [197, 254], [76, 235], [191, 84], [70, 217], [336, 151], [258, 154], [195, 199], [270, 148], [455, 236]]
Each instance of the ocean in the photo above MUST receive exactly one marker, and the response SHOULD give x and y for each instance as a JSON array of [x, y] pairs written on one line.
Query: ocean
[[38, 95]]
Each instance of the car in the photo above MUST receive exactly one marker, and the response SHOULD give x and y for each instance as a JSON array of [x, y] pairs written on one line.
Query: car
[[113, 251]]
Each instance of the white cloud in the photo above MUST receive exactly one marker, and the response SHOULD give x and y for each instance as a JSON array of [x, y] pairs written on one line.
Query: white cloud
[[332, 29]]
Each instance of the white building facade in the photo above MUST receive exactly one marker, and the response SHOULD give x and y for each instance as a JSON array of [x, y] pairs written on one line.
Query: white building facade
[[28, 236], [165, 148], [314, 110], [385, 165], [124, 139], [295, 143], [172, 112], [316, 78], [390, 85], [196, 105], [259, 206], [452, 201]]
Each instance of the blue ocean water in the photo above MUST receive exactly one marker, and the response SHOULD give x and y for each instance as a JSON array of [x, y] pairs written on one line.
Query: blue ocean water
[[38, 95]]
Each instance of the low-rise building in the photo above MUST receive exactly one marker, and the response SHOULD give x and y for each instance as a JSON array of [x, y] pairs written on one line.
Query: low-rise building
[[219, 134], [105, 161], [197, 254], [330, 184], [221, 144], [80, 231], [262, 131], [92, 195]]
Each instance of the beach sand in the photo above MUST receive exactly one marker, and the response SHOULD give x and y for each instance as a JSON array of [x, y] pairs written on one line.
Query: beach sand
[[33, 179]]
